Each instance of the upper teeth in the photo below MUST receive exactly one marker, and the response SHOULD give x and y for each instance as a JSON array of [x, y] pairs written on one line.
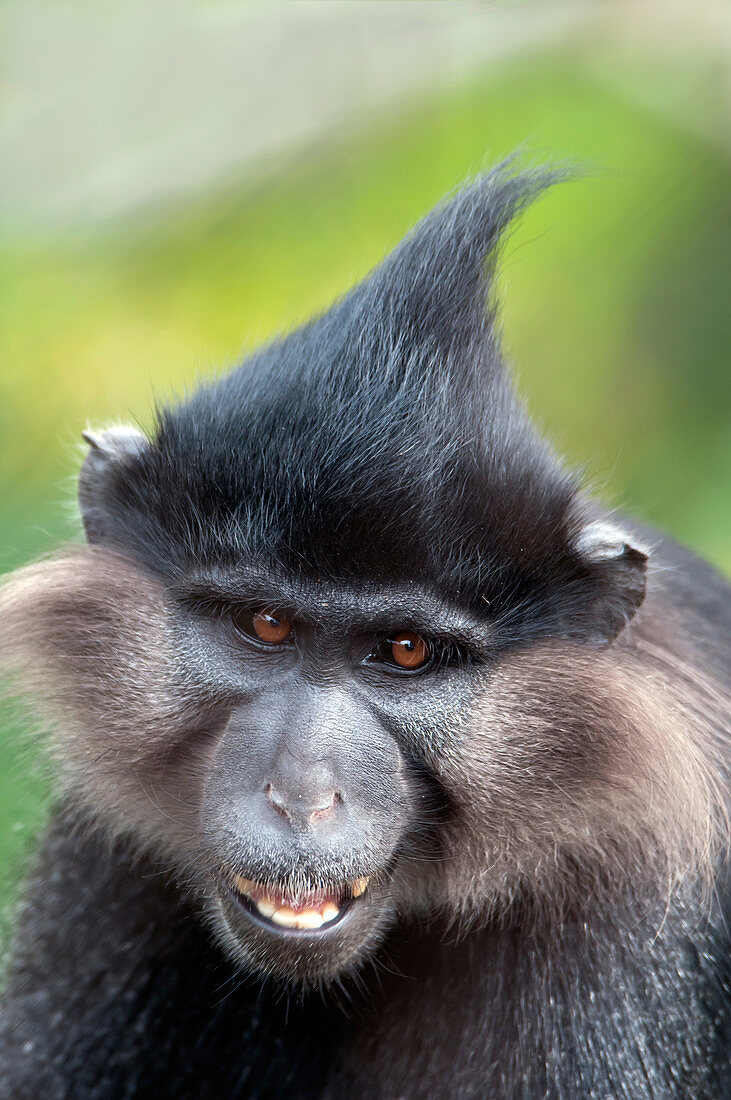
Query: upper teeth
[[295, 915]]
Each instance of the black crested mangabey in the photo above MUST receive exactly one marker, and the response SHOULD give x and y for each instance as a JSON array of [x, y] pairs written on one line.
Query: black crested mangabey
[[389, 764]]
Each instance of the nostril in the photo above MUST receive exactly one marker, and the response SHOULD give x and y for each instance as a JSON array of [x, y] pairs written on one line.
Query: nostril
[[326, 806], [277, 800]]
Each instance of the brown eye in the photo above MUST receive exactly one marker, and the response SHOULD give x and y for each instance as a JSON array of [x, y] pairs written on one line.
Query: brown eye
[[271, 627], [263, 625], [409, 650]]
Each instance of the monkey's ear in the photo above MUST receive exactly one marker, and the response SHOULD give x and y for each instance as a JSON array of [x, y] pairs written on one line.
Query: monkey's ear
[[110, 452], [617, 569]]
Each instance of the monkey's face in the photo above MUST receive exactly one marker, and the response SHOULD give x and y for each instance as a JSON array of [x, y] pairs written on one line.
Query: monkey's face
[[315, 761], [317, 791]]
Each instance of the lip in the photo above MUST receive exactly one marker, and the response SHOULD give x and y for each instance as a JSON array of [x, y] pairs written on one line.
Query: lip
[[237, 891], [247, 907]]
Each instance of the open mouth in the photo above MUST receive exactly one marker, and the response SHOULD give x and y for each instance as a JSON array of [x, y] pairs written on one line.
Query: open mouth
[[308, 911]]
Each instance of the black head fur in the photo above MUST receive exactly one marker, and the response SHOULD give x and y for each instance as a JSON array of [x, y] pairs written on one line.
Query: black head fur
[[382, 441]]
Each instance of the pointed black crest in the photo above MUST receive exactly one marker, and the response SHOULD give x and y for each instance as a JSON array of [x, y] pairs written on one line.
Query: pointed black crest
[[382, 440], [435, 286]]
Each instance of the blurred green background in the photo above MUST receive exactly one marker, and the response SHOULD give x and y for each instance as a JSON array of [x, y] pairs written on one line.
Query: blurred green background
[[615, 288]]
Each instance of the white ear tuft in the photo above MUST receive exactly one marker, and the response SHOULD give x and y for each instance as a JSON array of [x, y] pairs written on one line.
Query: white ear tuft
[[109, 452], [602, 541], [117, 441], [616, 570]]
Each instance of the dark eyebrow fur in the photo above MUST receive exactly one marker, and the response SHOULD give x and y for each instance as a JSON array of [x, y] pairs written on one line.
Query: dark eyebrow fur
[[312, 600]]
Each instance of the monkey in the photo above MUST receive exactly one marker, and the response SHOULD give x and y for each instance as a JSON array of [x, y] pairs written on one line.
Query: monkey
[[389, 762]]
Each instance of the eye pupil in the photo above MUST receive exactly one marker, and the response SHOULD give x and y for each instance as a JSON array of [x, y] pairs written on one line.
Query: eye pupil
[[270, 627], [409, 650]]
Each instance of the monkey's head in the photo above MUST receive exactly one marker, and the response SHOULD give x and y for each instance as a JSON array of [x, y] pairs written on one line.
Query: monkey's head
[[347, 643]]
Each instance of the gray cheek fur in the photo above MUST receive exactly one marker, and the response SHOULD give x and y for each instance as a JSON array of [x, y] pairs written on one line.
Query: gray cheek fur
[[87, 637], [547, 761]]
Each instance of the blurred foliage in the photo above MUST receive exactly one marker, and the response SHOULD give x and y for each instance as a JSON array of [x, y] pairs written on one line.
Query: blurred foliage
[[615, 290]]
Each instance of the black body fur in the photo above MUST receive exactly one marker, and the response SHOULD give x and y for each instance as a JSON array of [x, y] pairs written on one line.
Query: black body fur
[[547, 919], [141, 1003]]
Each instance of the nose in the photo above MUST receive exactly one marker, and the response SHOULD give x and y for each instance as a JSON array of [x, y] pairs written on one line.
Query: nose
[[302, 791], [305, 804]]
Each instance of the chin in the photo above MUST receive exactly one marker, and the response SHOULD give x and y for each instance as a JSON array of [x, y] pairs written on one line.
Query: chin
[[307, 937]]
